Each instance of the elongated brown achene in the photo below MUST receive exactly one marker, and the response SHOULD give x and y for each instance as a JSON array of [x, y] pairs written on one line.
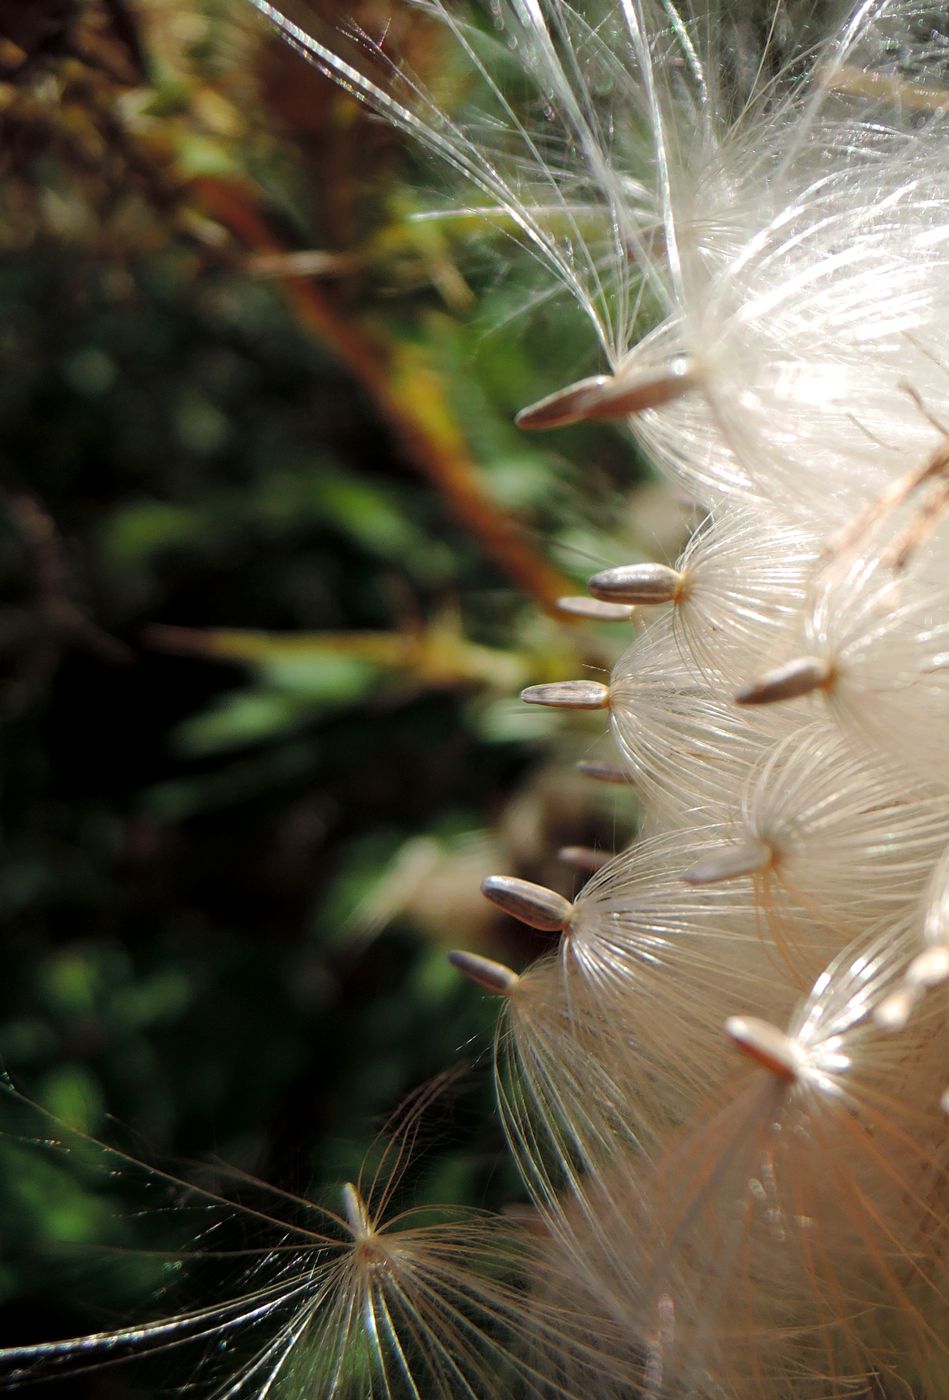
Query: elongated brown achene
[[609, 396], [532, 904], [568, 695]]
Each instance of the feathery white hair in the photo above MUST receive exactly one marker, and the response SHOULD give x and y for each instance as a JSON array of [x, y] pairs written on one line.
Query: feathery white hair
[[751, 211]]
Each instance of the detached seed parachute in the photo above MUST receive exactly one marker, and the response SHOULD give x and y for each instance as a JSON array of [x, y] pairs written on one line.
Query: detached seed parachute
[[724, 1082]]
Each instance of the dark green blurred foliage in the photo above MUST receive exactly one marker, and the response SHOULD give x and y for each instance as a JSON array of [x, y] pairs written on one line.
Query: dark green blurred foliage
[[258, 668]]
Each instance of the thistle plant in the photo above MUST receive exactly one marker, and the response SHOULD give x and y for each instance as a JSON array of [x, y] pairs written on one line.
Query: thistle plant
[[724, 1084]]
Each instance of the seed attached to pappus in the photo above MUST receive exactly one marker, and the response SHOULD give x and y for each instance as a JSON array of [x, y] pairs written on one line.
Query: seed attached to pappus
[[608, 396], [729, 863], [601, 772], [532, 904], [583, 857], [568, 695], [637, 583], [764, 1043], [594, 610], [787, 682], [493, 976]]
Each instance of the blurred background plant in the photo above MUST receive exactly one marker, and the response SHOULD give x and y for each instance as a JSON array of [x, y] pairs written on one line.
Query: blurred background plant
[[275, 563]]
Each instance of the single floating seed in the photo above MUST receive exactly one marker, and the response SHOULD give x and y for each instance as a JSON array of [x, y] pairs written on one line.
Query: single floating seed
[[637, 583], [532, 904], [568, 695], [606, 396], [583, 857], [492, 976], [603, 772], [765, 1044], [593, 609], [798, 677], [728, 863]]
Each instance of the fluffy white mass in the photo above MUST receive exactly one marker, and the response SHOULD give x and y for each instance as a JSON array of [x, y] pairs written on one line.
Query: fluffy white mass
[[724, 1083], [750, 206]]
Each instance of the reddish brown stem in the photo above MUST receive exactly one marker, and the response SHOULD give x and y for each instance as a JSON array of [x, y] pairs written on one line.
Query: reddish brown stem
[[437, 449]]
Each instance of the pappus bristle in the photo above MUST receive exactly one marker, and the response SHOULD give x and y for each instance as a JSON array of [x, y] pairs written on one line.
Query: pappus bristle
[[740, 1189], [565, 1115], [370, 1299], [752, 215], [585, 1247], [930, 967], [637, 933], [556, 182], [741, 581], [686, 744], [799, 1227], [828, 835], [874, 641], [745, 576], [779, 224], [619, 1028], [571, 1127]]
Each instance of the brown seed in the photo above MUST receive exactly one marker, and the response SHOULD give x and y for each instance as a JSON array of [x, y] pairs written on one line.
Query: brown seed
[[728, 862], [492, 976], [637, 583], [583, 857], [571, 405], [568, 695], [606, 396], [593, 609], [603, 772], [765, 1044], [895, 1010], [532, 904], [798, 677]]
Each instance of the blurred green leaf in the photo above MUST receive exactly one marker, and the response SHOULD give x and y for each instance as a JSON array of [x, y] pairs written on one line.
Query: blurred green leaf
[[324, 678], [241, 718], [74, 1097]]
